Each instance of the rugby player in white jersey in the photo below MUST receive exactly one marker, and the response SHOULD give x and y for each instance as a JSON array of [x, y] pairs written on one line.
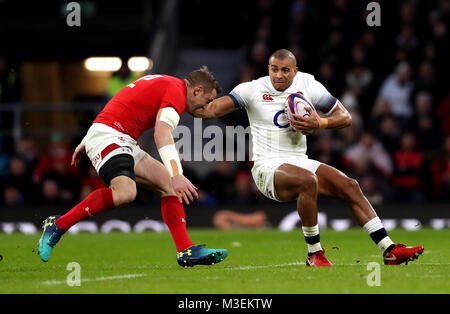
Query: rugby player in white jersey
[[282, 171]]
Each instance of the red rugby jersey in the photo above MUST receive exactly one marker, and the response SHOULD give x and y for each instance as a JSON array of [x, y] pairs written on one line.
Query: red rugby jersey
[[135, 107]]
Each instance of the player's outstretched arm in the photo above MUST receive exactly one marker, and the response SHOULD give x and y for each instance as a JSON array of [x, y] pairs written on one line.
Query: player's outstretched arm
[[183, 188], [217, 108], [338, 119]]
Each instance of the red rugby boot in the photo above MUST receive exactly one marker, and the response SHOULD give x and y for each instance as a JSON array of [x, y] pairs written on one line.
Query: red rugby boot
[[401, 253], [318, 259]]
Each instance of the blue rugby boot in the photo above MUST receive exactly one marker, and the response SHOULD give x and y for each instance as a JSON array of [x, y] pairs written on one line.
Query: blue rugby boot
[[50, 236], [200, 255]]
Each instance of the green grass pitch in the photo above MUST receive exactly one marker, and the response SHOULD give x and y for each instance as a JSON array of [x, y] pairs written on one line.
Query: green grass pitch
[[259, 262]]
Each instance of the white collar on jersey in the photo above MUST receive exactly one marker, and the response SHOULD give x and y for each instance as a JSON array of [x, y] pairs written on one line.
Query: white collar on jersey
[[291, 89]]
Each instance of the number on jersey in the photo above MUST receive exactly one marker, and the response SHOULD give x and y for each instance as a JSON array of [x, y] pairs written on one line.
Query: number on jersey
[[146, 78]]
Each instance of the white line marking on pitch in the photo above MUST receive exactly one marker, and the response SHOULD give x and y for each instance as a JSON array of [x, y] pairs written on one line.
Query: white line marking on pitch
[[60, 282], [265, 266], [250, 267]]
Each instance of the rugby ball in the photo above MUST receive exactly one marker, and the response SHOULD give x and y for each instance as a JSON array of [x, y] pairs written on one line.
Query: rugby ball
[[296, 103]]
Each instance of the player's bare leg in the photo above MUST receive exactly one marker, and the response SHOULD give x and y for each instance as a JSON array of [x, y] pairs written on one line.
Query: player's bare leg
[[292, 182], [151, 174], [123, 190], [334, 183]]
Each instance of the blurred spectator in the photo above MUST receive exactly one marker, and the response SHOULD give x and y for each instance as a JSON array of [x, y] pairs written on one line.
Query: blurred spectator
[[329, 78], [256, 65], [324, 150], [50, 189], [219, 183], [333, 49], [426, 80], [58, 159], [389, 133], [26, 147], [119, 80], [370, 165], [54, 168], [90, 180], [443, 111], [58, 188], [396, 91], [409, 179], [245, 189], [358, 79], [425, 124], [19, 179], [408, 12], [369, 41], [350, 101], [407, 41], [368, 152], [371, 189], [441, 172], [12, 196], [264, 30]]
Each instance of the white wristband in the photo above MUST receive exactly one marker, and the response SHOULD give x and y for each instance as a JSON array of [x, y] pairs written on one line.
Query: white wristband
[[171, 159]]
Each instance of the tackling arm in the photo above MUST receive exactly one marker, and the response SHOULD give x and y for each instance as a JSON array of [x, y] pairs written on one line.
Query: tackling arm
[[183, 188], [217, 108]]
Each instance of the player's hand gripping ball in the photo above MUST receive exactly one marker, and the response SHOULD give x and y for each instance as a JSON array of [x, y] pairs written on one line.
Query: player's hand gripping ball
[[295, 104]]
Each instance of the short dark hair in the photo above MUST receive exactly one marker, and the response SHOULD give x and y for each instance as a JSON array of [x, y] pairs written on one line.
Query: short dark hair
[[282, 54], [205, 78]]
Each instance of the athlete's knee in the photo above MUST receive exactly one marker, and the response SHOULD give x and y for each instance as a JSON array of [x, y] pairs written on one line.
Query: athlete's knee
[[308, 182], [124, 193], [351, 188], [291, 181]]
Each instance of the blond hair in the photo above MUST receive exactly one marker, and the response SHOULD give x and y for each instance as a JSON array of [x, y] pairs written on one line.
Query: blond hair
[[205, 78]]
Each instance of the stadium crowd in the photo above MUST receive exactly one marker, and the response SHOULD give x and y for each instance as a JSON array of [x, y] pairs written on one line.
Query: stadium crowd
[[392, 78]]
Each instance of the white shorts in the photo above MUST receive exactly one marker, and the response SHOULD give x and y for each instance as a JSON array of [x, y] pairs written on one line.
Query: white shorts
[[103, 142], [263, 172]]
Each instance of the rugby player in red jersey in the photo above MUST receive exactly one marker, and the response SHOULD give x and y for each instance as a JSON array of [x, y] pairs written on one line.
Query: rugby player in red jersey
[[152, 101]]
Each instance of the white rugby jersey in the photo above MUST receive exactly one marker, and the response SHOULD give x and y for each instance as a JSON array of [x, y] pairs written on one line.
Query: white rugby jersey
[[272, 134]]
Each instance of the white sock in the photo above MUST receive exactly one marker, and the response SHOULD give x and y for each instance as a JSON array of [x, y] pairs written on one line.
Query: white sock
[[312, 238], [376, 230]]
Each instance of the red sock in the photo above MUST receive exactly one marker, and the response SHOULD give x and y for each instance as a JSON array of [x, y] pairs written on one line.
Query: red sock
[[174, 217], [96, 202]]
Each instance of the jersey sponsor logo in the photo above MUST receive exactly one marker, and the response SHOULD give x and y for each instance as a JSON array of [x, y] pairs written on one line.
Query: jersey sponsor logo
[[267, 97]]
